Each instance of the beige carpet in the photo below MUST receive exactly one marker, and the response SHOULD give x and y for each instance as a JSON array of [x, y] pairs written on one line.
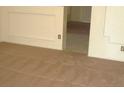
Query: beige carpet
[[31, 66], [77, 37]]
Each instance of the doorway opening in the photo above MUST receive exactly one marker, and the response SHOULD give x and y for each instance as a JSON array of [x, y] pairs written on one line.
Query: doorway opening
[[78, 29]]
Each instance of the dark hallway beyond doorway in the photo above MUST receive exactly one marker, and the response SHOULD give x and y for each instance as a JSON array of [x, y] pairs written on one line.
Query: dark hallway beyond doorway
[[78, 37]]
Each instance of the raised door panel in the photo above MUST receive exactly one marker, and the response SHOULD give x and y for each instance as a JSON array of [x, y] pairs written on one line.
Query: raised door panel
[[114, 24]]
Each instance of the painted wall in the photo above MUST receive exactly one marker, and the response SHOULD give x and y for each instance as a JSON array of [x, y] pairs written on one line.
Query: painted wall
[[36, 26], [0, 27], [107, 33], [79, 13], [68, 12], [40, 26]]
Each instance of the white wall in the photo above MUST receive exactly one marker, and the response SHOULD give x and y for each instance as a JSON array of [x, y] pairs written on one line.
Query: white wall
[[86, 14], [79, 13], [0, 27], [27, 25], [107, 33], [68, 12], [36, 26]]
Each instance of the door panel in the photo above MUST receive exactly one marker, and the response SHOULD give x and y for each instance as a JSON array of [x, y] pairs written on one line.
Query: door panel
[[107, 33], [114, 24]]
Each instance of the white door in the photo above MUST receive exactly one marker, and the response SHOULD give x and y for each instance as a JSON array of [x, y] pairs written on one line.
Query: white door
[[37, 26], [107, 33], [114, 24]]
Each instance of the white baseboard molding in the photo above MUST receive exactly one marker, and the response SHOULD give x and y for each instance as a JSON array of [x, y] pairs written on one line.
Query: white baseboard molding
[[32, 42]]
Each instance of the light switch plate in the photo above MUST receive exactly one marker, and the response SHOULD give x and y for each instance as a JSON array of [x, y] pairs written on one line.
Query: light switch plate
[[122, 48]]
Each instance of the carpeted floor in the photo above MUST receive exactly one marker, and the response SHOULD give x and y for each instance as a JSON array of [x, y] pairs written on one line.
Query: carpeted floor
[[32, 66], [78, 37]]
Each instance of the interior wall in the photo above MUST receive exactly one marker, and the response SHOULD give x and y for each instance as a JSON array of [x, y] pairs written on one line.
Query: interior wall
[[79, 13], [65, 27], [105, 42], [106, 35], [0, 27], [68, 12], [36, 26]]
